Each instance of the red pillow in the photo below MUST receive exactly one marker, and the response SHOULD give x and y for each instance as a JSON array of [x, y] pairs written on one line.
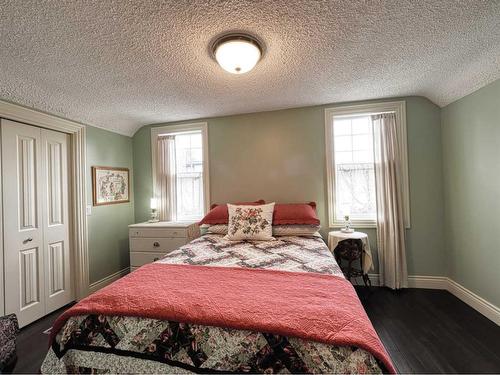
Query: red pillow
[[295, 213], [220, 215]]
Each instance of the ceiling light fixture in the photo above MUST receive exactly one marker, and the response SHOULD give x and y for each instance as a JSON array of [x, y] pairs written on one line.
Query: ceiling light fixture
[[237, 53]]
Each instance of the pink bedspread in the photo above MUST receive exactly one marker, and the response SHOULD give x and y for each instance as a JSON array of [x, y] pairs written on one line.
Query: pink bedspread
[[310, 306]]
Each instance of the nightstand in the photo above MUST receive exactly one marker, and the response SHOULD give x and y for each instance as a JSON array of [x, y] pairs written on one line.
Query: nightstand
[[149, 242], [352, 248]]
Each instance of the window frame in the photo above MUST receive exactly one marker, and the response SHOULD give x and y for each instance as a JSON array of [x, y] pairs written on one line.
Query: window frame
[[184, 128], [397, 107]]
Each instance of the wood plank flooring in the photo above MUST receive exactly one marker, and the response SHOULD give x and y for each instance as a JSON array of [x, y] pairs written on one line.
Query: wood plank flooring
[[424, 331], [432, 331], [33, 344]]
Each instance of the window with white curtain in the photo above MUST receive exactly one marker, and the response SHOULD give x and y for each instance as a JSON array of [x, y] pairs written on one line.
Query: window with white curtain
[[354, 168], [187, 165], [189, 176], [350, 162]]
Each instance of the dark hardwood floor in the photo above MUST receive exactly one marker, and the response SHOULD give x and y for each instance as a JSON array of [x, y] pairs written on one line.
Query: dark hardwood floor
[[33, 344], [424, 331], [432, 331]]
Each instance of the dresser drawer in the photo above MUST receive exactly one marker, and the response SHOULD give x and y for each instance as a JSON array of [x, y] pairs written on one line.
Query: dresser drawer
[[140, 259], [157, 245], [159, 232]]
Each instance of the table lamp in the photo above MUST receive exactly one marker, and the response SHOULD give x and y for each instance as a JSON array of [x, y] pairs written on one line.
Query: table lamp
[[154, 211]]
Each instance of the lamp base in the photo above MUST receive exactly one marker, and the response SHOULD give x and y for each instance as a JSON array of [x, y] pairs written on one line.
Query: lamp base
[[154, 216], [347, 230]]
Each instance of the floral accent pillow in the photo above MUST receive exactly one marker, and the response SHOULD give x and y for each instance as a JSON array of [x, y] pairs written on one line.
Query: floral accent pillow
[[250, 222]]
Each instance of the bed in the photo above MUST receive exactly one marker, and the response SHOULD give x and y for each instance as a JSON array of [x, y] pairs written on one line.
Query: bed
[[201, 335]]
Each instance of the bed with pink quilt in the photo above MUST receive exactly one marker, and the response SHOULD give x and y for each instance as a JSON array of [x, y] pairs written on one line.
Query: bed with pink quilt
[[218, 306]]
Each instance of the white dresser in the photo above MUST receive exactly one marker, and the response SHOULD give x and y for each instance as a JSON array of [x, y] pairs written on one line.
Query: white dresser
[[150, 241]]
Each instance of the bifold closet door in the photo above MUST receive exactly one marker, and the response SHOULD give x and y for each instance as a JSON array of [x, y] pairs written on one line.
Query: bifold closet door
[[37, 262], [22, 218], [55, 214]]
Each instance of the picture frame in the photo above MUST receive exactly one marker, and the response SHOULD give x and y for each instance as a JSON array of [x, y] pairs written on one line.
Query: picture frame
[[110, 185]]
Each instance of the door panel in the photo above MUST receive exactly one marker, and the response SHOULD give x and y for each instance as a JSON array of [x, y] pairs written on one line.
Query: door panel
[[58, 280], [29, 265], [55, 183], [56, 268], [27, 197], [23, 235]]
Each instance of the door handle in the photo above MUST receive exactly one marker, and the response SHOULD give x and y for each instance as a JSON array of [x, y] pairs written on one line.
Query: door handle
[[28, 240]]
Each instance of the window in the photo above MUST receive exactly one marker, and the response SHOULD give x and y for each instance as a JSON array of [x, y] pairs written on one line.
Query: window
[[350, 162], [187, 162], [354, 169], [189, 176]]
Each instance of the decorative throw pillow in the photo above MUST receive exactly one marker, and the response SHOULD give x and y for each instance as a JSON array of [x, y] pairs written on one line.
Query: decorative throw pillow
[[218, 213], [250, 222], [295, 230]]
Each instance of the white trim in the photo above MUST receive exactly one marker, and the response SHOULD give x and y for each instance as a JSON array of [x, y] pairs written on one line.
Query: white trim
[[95, 286], [374, 279], [478, 303], [30, 116], [78, 175], [16, 112], [423, 282], [428, 282], [356, 224], [169, 129], [399, 108]]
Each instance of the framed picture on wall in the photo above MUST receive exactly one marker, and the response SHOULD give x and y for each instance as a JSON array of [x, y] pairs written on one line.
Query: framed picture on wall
[[110, 185]]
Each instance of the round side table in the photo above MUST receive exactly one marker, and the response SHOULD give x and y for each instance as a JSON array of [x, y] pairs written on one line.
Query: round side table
[[352, 247]]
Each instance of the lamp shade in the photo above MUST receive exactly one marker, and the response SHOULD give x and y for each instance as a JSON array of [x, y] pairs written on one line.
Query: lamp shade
[[153, 204], [237, 54]]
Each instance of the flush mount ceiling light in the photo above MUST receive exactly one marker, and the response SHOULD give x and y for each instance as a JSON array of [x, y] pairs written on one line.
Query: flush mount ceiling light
[[237, 53]]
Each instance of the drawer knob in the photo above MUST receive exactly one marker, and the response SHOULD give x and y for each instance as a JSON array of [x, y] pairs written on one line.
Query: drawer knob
[[155, 259], [156, 244]]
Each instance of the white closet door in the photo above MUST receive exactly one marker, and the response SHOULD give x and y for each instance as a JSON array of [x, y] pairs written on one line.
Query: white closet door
[[55, 220], [37, 251], [23, 224]]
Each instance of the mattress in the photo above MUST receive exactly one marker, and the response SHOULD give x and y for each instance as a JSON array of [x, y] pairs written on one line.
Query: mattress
[[117, 344]]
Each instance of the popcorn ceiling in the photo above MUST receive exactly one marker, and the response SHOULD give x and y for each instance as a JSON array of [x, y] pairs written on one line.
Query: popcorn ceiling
[[122, 64]]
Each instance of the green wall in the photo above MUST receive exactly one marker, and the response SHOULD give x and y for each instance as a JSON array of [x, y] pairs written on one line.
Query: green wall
[[471, 158], [280, 156], [107, 225]]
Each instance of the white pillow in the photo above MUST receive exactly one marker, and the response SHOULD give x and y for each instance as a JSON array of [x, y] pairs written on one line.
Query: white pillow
[[250, 222], [295, 230], [217, 229]]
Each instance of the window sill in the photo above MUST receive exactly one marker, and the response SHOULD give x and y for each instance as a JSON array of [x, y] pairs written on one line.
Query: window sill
[[355, 225]]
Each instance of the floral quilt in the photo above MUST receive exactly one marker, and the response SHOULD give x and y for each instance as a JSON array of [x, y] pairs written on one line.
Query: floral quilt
[[118, 344]]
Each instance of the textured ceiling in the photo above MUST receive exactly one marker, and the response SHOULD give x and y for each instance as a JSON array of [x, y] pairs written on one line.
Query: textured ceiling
[[122, 64]]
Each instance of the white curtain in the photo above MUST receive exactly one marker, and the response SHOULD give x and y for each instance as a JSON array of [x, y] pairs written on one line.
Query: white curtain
[[165, 189], [390, 205]]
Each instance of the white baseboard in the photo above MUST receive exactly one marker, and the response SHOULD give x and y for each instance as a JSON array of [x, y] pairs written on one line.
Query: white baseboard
[[424, 282], [486, 308], [95, 286], [478, 303], [428, 282]]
